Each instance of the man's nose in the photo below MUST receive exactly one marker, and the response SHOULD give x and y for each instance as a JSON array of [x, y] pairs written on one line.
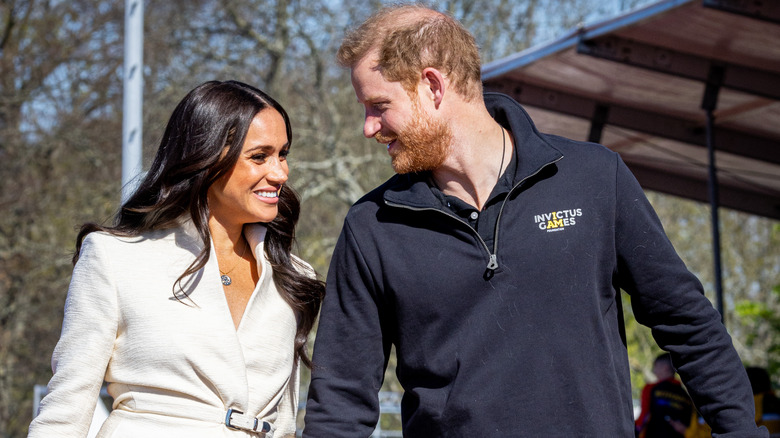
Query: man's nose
[[371, 125]]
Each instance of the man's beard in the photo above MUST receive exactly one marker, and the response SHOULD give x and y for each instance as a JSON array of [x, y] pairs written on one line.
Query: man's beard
[[423, 144]]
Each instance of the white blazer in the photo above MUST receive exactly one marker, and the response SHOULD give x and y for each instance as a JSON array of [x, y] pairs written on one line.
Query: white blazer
[[173, 367]]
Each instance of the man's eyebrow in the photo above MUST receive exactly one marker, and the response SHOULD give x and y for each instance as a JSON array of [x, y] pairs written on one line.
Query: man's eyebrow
[[373, 100]]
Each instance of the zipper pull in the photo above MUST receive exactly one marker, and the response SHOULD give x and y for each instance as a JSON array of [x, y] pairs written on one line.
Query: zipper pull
[[493, 264]]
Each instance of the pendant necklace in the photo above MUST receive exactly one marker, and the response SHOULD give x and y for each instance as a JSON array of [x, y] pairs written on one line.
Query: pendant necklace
[[226, 280]]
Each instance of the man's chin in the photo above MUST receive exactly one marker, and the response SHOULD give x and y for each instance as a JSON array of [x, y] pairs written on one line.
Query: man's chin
[[403, 166], [399, 166]]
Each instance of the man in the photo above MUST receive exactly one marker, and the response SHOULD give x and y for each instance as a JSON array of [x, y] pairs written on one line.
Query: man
[[493, 261], [666, 408]]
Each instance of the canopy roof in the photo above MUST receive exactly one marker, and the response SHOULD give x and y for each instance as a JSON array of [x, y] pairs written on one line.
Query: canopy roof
[[636, 84]]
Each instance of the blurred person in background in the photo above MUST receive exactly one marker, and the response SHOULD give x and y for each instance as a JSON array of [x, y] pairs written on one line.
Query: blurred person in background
[[667, 409], [767, 403]]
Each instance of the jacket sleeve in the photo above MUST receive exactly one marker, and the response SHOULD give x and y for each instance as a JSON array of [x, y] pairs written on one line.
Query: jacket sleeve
[[349, 352], [82, 353], [669, 299]]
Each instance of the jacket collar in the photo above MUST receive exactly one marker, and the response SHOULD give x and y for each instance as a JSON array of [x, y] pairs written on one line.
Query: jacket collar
[[255, 236], [533, 153]]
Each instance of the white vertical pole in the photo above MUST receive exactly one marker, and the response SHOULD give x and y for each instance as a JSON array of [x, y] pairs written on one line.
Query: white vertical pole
[[133, 96]]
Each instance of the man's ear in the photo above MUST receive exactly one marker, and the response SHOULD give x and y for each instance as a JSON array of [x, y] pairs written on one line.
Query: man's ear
[[435, 83]]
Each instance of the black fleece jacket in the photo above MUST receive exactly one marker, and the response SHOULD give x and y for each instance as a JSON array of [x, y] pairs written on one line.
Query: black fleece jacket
[[534, 346]]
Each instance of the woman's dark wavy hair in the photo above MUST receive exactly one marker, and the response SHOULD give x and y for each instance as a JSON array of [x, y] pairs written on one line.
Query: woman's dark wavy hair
[[213, 116]]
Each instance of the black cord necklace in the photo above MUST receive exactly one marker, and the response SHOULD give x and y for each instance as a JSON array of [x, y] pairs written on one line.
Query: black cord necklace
[[503, 153]]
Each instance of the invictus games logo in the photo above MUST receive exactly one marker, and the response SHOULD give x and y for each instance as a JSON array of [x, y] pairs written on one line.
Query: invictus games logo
[[557, 220]]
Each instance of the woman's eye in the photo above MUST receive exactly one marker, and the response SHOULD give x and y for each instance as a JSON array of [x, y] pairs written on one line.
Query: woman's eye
[[259, 157], [283, 155]]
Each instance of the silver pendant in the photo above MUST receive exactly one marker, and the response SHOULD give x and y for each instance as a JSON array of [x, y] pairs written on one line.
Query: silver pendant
[[225, 280]]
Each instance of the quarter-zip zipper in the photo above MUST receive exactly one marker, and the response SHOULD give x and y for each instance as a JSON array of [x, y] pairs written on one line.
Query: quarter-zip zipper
[[493, 258]]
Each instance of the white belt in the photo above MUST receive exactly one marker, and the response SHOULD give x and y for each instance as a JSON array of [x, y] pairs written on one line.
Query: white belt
[[238, 420], [233, 419]]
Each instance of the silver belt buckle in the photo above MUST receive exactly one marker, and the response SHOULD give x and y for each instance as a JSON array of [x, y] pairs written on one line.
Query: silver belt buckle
[[237, 420]]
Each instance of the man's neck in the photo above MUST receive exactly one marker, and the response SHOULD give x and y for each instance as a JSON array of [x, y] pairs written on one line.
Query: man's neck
[[480, 153]]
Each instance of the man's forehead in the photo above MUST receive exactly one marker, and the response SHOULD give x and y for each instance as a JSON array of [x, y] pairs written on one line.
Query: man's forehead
[[368, 63], [367, 80]]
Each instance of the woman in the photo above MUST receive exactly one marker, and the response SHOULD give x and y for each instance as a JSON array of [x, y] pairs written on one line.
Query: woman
[[191, 306]]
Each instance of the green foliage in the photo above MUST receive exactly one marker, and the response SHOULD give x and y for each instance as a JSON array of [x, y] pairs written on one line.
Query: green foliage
[[765, 320], [642, 349]]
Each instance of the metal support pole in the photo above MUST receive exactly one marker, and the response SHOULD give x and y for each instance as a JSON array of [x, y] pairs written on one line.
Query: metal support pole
[[133, 96], [597, 122], [709, 103]]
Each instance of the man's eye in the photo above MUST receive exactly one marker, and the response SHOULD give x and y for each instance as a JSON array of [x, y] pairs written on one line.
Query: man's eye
[[379, 106]]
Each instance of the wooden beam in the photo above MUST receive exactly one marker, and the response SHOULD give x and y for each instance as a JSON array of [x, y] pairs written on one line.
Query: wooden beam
[[653, 123]]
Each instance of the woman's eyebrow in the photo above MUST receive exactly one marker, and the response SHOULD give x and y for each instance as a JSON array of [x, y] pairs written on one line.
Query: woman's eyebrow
[[266, 148]]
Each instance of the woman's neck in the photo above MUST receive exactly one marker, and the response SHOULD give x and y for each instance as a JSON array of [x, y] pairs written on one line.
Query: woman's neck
[[226, 237]]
